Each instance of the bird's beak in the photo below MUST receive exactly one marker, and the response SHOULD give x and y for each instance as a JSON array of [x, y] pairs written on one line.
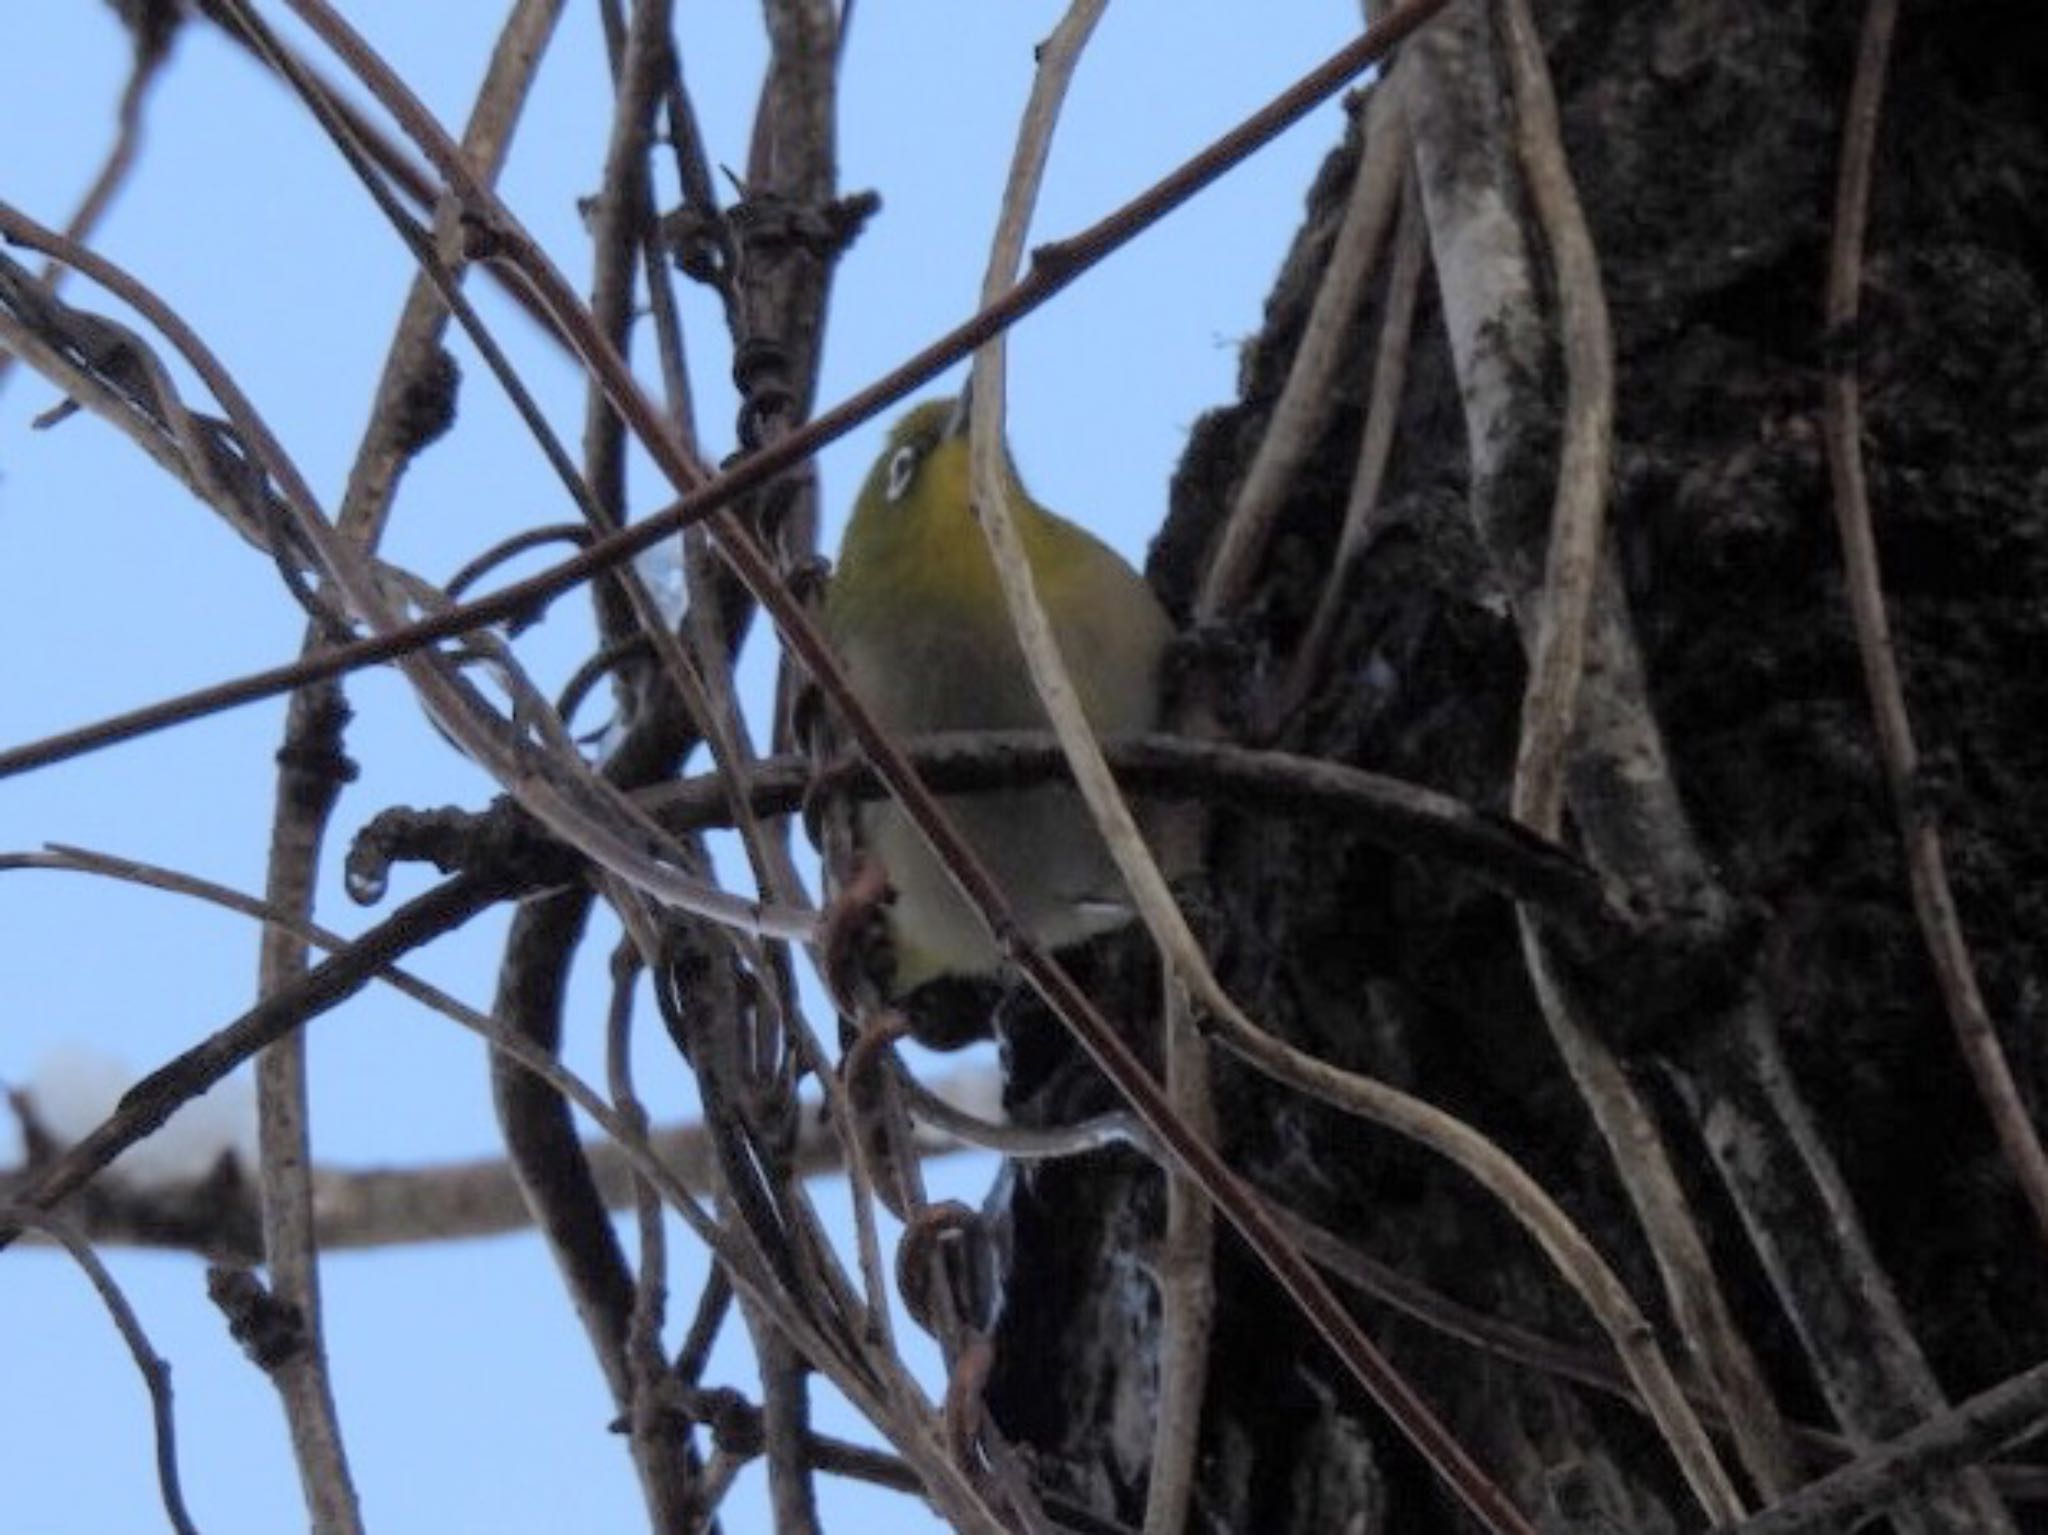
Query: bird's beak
[[956, 424]]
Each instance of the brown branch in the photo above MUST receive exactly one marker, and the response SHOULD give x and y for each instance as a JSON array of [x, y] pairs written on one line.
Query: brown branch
[[150, 56], [541, 1143], [105, 367], [660, 723], [481, 1198], [362, 1208], [1403, 817], [311, 770], [671, 1474], [412, 404], [776, 311]]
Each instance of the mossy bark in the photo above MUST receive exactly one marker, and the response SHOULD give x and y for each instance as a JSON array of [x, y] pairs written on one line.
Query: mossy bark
[[1703, 135]]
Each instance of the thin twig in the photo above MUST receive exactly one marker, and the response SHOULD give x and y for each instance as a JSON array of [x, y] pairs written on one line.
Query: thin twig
[[661, 723], [1557, 665], [150, 54], [1578, 518], [1375, 443], [961, 1126], [121, 157], [310, 775], [155, 1372], [1309, 394], [751, 1075], [527, 539], [650, 1425], [1393, 813], [700, 676], [105, 367], [1941, 927], [1186, 1278]]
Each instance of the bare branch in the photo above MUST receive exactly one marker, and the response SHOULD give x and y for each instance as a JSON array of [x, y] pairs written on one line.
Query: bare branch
[[155, 1372], [1054, 268], [1186, 1279]]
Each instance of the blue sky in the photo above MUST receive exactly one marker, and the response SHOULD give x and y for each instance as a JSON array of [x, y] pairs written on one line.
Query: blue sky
[[467, 1394]]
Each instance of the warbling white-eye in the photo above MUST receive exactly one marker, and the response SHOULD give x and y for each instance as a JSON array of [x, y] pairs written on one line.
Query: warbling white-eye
[[916, 612]]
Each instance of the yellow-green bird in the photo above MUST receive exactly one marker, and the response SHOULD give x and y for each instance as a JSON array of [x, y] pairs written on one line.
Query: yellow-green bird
[[916, 613]]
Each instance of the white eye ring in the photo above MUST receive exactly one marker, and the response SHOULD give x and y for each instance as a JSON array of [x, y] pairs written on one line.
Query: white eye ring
[[902, 470]]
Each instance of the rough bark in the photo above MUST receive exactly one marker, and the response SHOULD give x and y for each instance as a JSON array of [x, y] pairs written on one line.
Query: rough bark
[[1703, 135]]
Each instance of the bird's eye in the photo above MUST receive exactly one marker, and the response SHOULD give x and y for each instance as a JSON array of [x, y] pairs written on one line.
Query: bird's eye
[[902, 470]]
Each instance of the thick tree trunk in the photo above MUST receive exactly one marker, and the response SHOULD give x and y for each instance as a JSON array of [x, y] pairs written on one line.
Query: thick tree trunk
[[1704, 138]]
